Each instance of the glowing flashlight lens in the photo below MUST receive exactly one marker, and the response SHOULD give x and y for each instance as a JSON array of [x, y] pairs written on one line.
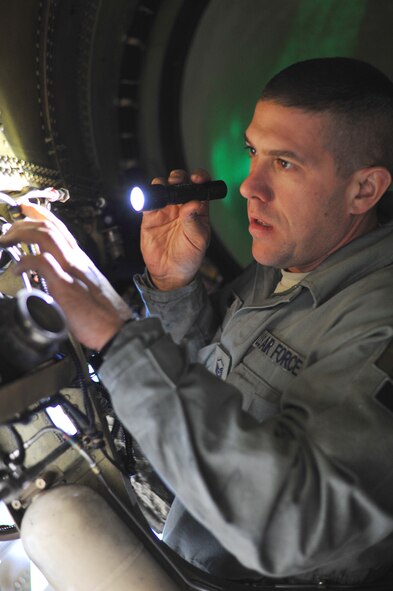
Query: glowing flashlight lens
[[137, 198]]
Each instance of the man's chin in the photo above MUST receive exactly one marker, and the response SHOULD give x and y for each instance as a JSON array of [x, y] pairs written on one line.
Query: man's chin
[[268, 259]]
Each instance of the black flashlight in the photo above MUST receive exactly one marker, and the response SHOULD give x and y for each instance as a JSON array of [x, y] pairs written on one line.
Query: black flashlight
[[157, 196]]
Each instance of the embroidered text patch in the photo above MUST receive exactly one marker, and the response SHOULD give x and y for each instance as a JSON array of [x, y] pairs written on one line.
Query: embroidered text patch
[[279, 353]]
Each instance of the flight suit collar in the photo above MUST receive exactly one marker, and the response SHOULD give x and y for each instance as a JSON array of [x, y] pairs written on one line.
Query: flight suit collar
[[356, 260], [347, 265]]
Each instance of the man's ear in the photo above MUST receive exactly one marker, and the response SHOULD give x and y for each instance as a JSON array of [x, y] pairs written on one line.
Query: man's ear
[[367, 187]]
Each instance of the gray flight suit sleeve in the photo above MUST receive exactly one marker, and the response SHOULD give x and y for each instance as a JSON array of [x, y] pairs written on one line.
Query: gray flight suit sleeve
[[186, 313], [296, 491]]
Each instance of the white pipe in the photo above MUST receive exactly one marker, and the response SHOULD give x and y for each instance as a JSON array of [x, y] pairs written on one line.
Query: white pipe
[[80, 544]]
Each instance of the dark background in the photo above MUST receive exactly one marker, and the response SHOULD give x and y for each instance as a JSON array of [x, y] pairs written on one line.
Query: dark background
[[96, 95]]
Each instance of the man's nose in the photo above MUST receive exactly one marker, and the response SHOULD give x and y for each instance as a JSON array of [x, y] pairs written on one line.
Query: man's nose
[[256, 186]]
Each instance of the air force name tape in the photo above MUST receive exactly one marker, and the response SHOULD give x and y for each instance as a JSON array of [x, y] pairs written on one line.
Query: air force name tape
[[279, 353]]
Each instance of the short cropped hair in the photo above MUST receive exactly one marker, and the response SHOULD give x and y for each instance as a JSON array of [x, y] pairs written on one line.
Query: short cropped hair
[[357, 96]]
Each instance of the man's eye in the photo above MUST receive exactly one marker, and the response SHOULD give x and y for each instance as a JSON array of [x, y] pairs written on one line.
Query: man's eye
[[251, 151], [284, 164]]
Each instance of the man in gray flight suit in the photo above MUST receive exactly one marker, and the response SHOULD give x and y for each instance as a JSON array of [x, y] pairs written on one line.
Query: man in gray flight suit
[[268, 409]]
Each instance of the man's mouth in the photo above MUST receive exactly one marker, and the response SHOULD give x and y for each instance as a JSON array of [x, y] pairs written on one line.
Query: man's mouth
[[259, 222]]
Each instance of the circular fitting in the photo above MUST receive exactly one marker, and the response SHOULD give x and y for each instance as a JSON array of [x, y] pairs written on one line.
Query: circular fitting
[[41, 318]]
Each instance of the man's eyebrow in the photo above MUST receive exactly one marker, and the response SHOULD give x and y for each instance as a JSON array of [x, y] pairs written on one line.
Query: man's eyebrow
[[286, 154], [280, 153]]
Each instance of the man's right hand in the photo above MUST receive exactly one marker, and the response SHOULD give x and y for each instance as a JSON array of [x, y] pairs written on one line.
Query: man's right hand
[[174, 239], [94, 311]]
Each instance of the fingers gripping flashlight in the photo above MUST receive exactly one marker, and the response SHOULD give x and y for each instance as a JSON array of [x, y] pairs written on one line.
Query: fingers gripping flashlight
[[158, 196]]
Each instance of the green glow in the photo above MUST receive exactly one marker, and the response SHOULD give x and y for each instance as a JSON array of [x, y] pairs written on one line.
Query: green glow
[[227, 158], [228, 145], [323, 28], [230, 162], [320, 28]]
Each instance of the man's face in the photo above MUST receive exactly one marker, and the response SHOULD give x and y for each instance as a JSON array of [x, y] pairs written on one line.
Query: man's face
[[298, 208]]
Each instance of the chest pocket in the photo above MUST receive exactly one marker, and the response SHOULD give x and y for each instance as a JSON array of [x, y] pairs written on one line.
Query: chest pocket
[[261, 383], [260, 399]]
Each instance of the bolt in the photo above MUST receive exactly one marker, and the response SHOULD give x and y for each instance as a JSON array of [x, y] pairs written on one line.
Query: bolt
[[41, 483]]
